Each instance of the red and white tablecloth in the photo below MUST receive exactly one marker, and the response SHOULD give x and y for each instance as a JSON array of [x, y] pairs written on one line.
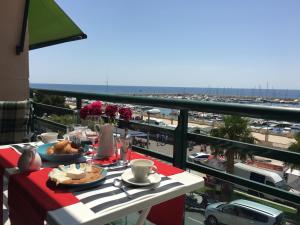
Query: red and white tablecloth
[[32, 198]]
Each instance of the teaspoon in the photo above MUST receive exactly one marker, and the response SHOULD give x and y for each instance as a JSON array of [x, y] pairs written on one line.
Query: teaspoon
[[118, 183]]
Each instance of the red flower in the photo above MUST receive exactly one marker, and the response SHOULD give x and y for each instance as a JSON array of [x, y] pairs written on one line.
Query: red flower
[[97, 104], [84, 112], [95, 108], [125, 113], [111, 111], [89, 107]]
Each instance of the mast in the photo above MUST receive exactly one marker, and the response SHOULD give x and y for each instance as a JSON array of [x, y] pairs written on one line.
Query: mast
[[267, 91], [106, 84]]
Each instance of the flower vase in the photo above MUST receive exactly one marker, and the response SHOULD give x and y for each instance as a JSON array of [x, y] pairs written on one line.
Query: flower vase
[[106, 146]]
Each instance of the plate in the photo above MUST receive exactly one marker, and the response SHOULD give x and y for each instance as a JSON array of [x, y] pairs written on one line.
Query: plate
[[128, 177], [42, 150], [87, 184]]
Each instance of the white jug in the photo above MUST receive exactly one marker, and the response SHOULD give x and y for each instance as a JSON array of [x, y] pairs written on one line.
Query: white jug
[[106, 142]]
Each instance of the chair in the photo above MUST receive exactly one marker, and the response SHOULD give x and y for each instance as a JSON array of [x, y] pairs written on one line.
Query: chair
[[14, 121]]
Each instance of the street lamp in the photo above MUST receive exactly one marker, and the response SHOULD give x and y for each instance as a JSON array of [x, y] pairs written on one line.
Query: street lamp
[[150, 112]]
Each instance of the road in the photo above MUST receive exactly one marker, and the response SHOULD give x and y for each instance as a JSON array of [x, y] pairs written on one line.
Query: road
[[194, 218]]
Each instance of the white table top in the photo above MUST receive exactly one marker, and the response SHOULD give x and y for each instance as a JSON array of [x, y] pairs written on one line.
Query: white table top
[[79, 213]]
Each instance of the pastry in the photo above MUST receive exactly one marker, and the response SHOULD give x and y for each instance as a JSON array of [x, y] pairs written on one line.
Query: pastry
[[50, 150], [62, 147], [69, 150], [72, 174]]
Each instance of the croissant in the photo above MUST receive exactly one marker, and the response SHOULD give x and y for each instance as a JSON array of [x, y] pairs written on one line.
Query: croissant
[[50, 150], [69, 150], [62, 147]]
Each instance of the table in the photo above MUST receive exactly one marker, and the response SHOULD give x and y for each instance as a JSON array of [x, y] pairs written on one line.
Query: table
[[32, 200]]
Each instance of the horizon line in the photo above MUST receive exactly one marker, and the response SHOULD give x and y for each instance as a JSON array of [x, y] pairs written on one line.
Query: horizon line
[[189, 87]]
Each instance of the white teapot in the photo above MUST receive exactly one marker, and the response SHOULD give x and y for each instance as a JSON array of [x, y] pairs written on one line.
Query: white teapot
[[30, 160]]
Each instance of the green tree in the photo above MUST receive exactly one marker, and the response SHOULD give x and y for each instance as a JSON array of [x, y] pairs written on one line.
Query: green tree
[[63, 119], [295, 147], [50, 99], [234, 128]]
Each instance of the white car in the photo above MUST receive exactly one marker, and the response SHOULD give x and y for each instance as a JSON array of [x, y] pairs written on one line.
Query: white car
[[242, 212], [198, 157]]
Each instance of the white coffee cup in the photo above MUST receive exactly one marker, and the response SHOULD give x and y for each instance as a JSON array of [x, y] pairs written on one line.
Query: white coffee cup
[[142, 168], [48, 137]]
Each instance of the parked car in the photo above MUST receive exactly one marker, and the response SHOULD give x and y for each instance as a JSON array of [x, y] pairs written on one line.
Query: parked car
[[296, 127], [262, 176], [242, 212], [198, 157]]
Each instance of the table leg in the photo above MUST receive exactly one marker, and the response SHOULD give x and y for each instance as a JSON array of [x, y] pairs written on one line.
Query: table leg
[[143, 215]]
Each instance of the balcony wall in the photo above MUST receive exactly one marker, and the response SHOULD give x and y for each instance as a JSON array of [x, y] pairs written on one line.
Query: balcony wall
[[14, 71]]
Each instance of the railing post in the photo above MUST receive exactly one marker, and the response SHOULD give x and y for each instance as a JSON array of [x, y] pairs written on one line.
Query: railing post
[[78, 107], [180, 140], [31, 94], [148, 130]]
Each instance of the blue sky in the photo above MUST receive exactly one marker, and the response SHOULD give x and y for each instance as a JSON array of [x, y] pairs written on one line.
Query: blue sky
[[192, 43]]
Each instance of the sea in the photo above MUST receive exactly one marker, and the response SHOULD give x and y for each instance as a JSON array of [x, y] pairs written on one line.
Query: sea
[[140, 90]]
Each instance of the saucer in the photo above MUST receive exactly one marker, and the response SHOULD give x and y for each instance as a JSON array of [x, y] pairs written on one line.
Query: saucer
[[128, 177]]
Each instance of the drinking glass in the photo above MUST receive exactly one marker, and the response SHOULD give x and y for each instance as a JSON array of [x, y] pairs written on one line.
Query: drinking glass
[[125, 143], [93, 139]]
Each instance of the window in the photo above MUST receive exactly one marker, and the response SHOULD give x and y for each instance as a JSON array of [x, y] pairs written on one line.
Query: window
[[221, 206], [257, 177], [270, 183], [245, 213], [252, 215], [282, 185], [229, 209], [280, 219], [261, 218]]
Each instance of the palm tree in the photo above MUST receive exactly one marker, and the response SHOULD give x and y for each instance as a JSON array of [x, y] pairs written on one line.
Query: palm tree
[[234, 128], [295, 147]]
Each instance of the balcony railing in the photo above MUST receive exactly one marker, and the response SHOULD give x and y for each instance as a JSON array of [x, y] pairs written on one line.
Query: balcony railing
[[182, 136]]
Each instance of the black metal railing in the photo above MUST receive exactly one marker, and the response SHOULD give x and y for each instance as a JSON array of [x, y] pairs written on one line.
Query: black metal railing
[[181, 134]]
